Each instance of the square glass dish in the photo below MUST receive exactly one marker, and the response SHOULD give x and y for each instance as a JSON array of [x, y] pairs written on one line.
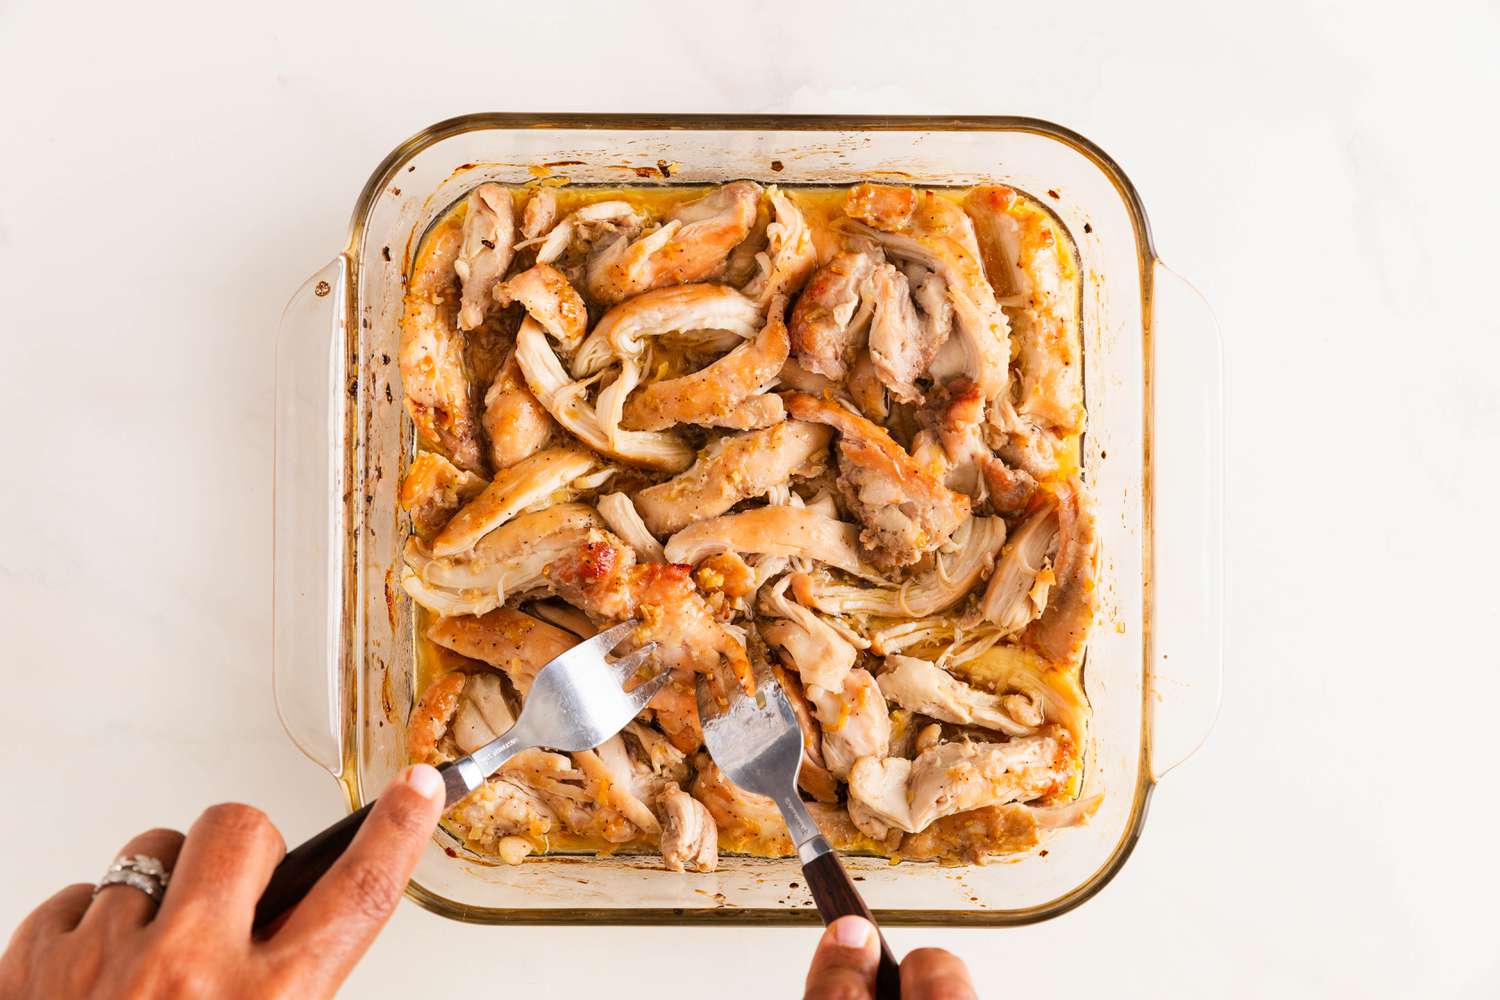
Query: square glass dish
[[344, 655]]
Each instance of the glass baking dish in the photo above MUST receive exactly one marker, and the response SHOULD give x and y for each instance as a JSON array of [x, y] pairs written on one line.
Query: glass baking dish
[[344, 660]]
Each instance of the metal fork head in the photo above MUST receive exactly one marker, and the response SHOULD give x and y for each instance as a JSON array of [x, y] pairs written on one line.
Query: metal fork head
[[755, 740], [579, 700]]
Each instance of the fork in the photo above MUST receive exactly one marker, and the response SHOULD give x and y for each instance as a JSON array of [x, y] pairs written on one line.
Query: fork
[[576, 702], [757, 742]]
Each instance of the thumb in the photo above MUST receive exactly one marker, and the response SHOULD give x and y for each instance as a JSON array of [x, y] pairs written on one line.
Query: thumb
[[845, 962], [341, 915]]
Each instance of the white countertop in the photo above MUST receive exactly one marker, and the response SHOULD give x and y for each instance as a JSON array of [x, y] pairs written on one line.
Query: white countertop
[[169, 177]]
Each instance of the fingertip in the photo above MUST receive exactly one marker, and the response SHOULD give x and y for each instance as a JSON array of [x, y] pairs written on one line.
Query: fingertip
[[849, 932], [425, 780]]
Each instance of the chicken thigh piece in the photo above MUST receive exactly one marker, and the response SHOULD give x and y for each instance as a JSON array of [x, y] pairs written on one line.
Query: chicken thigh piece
[[693, 244], [515, 422], [775, 531], [433, 489], [906, 511], [828, 324], [938, 236], [926, 688], [689, 835], [431, 355], [509, 640], [733, 469], [956, 777], [488, 237], [716, 391], [855, 722]]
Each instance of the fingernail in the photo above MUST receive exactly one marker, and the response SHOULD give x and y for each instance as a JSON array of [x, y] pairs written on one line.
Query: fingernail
[[425, 779], [851, 932]]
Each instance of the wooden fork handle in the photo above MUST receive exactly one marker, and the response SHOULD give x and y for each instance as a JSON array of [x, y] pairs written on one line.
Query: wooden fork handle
[[836, 896]]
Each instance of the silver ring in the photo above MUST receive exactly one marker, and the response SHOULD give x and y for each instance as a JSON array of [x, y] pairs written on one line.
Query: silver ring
[[141, 872]]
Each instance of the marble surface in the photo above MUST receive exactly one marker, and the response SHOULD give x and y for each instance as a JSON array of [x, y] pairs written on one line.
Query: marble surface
[[1322, 172]]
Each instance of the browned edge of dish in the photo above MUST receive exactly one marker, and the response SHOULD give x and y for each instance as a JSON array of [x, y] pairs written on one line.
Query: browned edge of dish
[[768, 916]]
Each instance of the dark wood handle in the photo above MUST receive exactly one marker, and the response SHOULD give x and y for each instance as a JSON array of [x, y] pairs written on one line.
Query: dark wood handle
[[300, 870], [834, 892]]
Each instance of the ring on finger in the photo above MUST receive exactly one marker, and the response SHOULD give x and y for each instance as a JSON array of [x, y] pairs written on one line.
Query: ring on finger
[[139, 871]]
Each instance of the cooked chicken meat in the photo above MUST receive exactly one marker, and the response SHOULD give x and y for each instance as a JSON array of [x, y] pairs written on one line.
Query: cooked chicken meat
[[938, 236], [777, 531], [432, 354], [623, 519], [854, 721], [529, 482], [432, 489], [780, 427], [516, 424], [566, 401], [488, 234], [621, 333], [828, 323], [978, 540], [690, 246], [903, 341], [509, 560], [790, 256], [551, 301], [540, 214], [1059, 634], [509, 640], [905, 510], [717, 391], [924, 687], [736, 468], [956, 777], [689, 836]]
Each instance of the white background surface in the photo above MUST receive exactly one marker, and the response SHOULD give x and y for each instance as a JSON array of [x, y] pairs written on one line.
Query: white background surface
[[1324, 173]]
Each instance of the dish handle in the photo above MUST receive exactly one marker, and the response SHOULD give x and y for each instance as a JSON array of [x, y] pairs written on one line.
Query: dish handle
[[1187, 643], [308, 616]]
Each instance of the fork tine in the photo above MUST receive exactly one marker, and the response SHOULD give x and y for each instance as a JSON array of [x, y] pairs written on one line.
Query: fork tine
[[642, 695], [608, 639], [625, 667]]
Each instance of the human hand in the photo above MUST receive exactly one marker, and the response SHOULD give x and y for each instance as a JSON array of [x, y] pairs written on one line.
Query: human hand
[[119, 944], [843, 967]]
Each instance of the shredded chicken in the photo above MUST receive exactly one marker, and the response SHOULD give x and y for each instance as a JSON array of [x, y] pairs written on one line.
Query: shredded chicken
[[777, 531], [713, 393], [489, 231], [978, 541], [690, 246], [939, 236], [779, 427], [621, 333], [540, 214], [509, 640], [906, 511], [831, 318], [565, 400], [902, 341], [689, 836], [525, 484], [956, 777], [433, 489], [923, 687], [431, 359], [733, 469], [509, 560], [784, 267], [1061, 630], [854, 721], [624, 520], [516, 424], [551, 301]]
